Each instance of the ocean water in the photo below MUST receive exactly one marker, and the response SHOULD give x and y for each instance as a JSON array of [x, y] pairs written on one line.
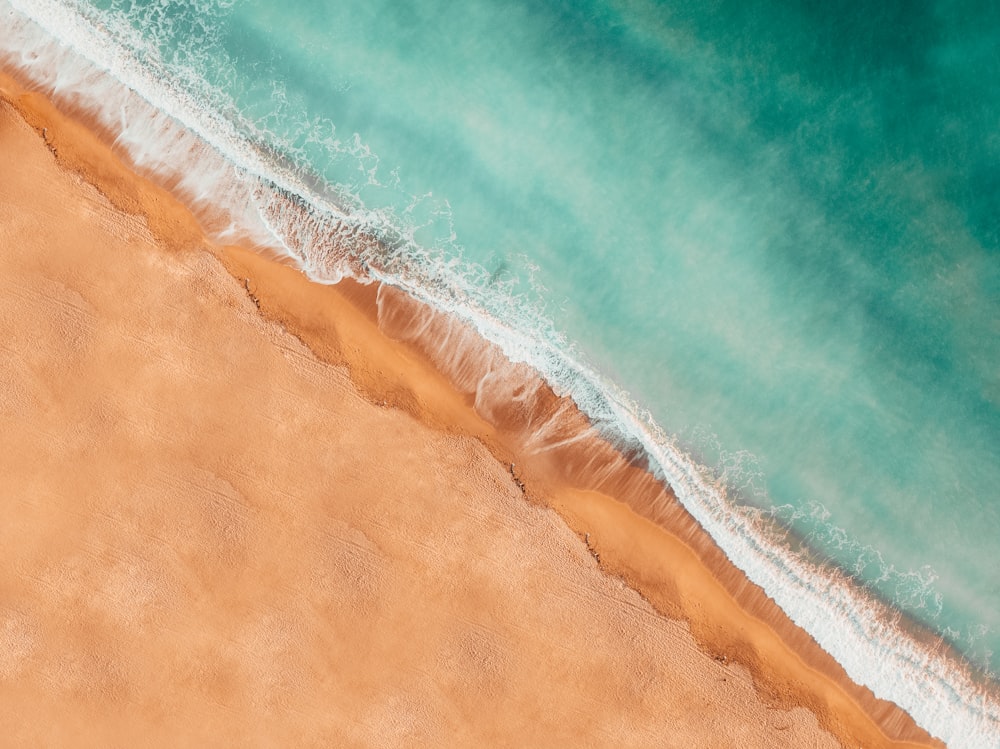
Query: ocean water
[[759, 239]]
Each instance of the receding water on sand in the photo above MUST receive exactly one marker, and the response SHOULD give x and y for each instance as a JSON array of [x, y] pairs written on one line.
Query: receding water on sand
[[773, 227]]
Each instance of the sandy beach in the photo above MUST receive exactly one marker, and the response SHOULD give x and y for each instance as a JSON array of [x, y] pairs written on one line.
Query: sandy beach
[[241, 511]]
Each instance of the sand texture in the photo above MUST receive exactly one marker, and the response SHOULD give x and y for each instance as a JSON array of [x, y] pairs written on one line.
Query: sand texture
[[236, 513]]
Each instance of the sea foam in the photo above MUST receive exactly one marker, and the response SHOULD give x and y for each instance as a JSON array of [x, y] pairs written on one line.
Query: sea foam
[[175, 127]]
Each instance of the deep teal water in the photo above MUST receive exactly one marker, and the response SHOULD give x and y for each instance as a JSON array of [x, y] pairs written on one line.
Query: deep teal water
[[775, 224]]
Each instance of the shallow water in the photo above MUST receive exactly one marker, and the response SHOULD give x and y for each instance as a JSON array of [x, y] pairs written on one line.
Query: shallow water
[[773, 225]]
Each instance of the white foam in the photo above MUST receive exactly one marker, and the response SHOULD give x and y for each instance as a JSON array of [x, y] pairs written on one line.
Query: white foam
[[162, 121]]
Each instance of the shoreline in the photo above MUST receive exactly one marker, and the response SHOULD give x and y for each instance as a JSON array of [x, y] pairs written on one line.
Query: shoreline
[[611, 529], [340, 325]]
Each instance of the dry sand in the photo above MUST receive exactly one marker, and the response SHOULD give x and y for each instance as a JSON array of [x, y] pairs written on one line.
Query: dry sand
[[217, 534]]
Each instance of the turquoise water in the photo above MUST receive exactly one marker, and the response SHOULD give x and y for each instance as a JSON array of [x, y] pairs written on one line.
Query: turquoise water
[[774, 224]]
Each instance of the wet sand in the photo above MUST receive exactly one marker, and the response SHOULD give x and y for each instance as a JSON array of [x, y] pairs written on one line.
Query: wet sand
[[238, 512]]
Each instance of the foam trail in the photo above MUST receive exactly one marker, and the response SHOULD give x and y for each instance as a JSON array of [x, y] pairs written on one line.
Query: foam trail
[[173, 128]]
